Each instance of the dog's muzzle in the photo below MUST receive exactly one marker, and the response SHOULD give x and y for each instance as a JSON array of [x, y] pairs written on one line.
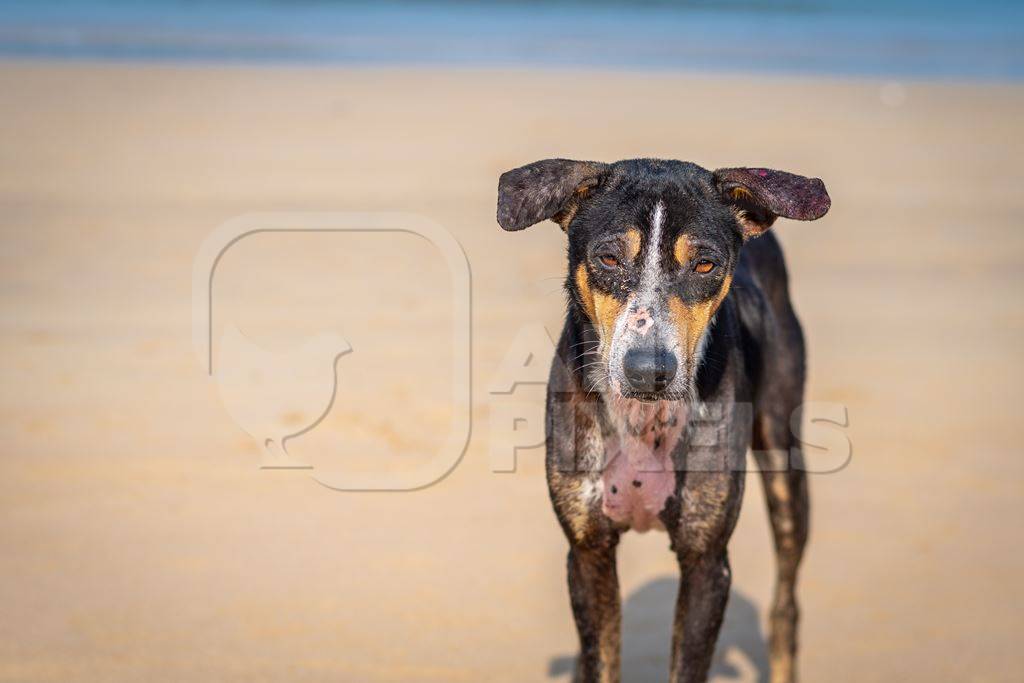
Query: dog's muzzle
[[649, 370]]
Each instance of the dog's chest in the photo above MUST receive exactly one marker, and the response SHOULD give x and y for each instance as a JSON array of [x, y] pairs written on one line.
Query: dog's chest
[[639, 476]]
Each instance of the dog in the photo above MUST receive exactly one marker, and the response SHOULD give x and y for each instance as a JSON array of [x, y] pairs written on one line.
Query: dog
[[680, 351]]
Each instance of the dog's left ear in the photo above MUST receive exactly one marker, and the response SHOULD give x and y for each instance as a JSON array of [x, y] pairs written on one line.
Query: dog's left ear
[[551, 188], [760, 195]]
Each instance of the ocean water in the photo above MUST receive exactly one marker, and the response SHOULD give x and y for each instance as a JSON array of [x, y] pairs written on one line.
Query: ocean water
[[981, 40]]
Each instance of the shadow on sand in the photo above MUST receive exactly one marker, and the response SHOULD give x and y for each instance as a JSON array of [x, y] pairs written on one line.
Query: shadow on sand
[[647, 633]]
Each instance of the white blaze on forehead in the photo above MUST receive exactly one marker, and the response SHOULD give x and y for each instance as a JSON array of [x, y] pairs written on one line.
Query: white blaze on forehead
[[640, 314], [652, 262]]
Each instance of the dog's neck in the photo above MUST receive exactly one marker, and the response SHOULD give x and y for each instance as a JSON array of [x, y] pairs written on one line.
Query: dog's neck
[[639, 473]]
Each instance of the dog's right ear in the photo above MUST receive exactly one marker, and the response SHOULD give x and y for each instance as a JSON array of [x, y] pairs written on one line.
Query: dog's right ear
[[551, 188]]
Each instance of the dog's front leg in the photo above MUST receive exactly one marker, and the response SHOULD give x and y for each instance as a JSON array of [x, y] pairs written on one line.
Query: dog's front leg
[[700, 606], [709, 506], [594, 591]]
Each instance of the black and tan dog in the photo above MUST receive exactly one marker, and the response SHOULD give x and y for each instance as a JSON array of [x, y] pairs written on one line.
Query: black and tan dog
[[680, 351]]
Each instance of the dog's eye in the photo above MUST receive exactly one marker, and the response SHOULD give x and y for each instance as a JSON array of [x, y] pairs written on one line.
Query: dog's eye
[[703, 267], [608, 260]]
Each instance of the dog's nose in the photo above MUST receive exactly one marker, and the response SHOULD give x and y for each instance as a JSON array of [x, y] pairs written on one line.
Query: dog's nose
[[649, 370]]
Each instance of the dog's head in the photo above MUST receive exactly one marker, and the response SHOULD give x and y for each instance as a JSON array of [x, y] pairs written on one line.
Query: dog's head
[[653, 246]]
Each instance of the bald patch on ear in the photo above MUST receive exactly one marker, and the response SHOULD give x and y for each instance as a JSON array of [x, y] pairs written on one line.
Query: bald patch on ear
[[691, 320], [684, 253], [632, 244]]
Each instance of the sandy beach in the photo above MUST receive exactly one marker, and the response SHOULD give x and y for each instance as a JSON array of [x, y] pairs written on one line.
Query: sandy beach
[[141, 540]]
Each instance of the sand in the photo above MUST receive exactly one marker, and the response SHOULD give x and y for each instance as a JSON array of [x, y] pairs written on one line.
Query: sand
[[141, 541]]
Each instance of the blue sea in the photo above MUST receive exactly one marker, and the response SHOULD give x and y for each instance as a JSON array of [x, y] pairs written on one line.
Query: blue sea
[[982, 40]]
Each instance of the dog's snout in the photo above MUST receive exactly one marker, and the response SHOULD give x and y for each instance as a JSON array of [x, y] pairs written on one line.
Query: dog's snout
[[649, 370]]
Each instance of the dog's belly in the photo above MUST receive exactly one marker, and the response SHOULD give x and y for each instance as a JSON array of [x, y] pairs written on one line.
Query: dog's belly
[[639, 476]]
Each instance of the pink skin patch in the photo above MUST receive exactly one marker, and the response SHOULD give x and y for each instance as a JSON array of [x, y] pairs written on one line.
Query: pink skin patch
[[639, 476], [639, 321]]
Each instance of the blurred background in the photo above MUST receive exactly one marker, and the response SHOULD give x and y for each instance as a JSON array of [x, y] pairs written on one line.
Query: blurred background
[[943, 38], [142, 540]]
